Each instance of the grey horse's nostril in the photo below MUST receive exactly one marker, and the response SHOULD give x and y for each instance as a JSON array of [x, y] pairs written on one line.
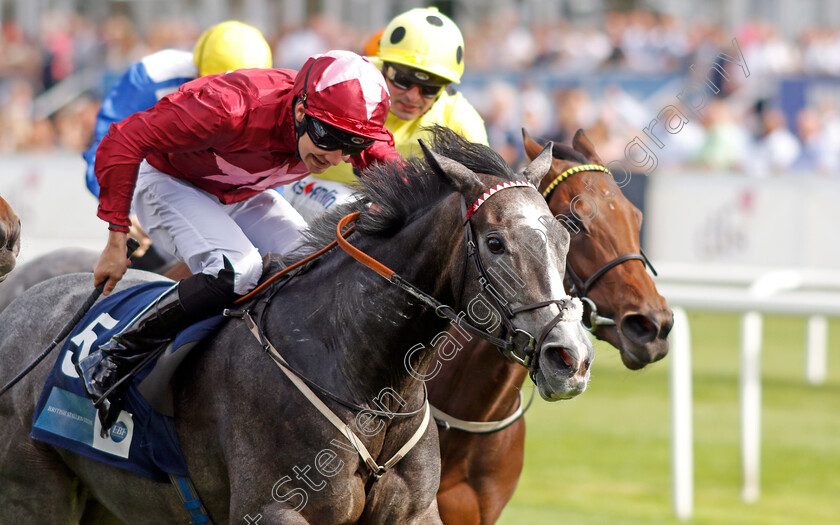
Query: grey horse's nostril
[[566, 357], [562, 356]]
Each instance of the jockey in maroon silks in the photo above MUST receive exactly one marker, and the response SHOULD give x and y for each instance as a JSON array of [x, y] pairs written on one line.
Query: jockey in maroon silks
[[196, 168]]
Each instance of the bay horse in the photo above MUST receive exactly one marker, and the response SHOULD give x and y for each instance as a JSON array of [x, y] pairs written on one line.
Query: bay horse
[[240, 424], [480, 471], [9, 239]]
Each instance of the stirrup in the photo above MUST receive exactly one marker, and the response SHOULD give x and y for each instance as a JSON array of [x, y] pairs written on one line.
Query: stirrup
[[111, 402]]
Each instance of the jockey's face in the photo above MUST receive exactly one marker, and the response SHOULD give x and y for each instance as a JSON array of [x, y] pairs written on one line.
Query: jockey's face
[[409, 100], [317, 160]]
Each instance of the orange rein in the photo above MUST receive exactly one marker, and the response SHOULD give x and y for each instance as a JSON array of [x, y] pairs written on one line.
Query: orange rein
[[341, 240], [357, 254], [259, 289]]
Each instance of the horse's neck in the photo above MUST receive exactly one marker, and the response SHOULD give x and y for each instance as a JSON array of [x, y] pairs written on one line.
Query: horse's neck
[[365, 325], [479, 384]]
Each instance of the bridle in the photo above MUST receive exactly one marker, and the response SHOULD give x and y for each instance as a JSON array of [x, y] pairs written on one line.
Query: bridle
[[509, 341], [566, 304], [571, 310], [580, 288]]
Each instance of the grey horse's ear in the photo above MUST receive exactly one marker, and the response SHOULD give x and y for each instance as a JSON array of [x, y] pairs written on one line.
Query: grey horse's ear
[[460, 176], [538, 168]]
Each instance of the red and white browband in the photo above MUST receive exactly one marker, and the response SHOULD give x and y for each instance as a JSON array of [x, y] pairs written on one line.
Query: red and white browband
[[495, 189]]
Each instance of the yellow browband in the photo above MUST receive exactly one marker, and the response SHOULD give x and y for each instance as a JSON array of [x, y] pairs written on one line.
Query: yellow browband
[[571, 171]]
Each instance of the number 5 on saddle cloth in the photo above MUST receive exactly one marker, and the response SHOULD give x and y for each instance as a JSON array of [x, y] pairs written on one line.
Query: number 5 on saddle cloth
[[143, 439]]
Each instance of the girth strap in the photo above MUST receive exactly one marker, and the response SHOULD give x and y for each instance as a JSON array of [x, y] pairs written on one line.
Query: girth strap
[[376, 469], [189, 499], [482, 427]]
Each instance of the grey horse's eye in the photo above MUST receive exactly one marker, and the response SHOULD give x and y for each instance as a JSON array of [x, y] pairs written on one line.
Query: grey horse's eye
[[496, 245]]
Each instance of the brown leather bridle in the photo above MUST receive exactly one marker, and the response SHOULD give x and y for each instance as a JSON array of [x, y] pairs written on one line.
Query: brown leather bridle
[[579, 287]]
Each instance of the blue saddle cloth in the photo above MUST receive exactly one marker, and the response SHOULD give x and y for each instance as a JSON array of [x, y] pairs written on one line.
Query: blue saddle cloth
[[142, 440]]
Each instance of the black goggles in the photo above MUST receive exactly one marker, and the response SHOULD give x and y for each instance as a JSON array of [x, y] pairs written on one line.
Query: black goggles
[[404, 81], [330, 138]]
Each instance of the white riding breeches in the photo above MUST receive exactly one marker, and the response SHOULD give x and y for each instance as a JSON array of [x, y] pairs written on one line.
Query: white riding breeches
[[194, 226], [312, 196]]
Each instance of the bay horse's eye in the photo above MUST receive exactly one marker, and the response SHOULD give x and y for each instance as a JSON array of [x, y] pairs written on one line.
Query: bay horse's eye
[[496, 245]]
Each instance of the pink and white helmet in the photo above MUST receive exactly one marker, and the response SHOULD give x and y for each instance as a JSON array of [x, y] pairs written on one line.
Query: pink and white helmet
[[347, 91]]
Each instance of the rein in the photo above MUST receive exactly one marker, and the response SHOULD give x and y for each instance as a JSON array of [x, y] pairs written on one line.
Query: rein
[[569, 310], [442, 310], [566, 305], [285, 271]]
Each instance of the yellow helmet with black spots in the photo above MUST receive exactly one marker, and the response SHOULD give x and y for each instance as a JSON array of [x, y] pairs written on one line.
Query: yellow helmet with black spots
[[427, 40], [231, 45]]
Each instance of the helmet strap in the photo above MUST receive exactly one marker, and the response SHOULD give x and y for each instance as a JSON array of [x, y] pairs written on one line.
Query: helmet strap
[[300, 127], [305, 82]]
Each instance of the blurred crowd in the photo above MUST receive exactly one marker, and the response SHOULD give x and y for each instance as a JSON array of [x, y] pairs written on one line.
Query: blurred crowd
[[50, 86]]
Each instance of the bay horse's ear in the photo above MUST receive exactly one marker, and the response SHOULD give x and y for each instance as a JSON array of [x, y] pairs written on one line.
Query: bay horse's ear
[[538, 168], [460, 176], [532, 147], [582, 144]]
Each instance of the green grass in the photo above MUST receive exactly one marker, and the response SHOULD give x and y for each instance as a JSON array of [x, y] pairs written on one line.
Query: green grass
[[604, 458]]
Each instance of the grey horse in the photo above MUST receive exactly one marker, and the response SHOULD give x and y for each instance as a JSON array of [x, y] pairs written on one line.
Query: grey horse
[[250, 440], [58, 262]]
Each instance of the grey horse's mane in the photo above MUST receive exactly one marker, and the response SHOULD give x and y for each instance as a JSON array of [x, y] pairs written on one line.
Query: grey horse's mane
[[403, 192]]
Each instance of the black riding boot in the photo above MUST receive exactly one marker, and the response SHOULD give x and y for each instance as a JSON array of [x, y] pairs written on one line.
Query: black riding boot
[[194, 299]]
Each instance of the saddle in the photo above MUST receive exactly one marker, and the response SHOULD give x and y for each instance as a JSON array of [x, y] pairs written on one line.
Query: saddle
[[143, 439]]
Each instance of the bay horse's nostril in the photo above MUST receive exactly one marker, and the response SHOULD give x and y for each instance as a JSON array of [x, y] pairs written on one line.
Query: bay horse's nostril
[[14, 237], [666, 324], [639, 328]]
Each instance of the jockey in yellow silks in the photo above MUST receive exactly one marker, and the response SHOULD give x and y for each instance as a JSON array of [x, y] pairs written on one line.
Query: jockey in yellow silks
[[420, 54]]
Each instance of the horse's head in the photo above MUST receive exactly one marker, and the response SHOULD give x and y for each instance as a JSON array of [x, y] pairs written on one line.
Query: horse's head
[[9, 239], [606, 268], [516, 255]]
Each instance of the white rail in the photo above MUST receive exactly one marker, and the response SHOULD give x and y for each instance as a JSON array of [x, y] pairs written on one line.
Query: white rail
[[752, 292], [682, 425]]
